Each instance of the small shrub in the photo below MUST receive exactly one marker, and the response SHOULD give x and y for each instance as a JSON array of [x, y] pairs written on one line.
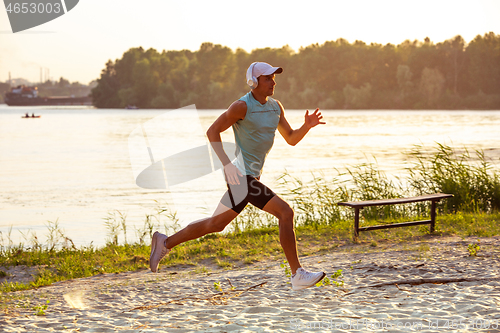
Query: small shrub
[[288, 272], [40, 309], [473, 249]]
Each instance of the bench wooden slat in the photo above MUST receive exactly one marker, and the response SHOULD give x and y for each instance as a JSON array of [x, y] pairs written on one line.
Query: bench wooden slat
[[428, 197], [394, 225]]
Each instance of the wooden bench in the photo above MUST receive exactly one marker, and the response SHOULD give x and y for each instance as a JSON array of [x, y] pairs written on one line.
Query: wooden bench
[[358, 205]]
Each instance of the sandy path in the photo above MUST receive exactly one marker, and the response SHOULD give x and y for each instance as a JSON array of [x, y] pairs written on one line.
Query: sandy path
[[187, 302]]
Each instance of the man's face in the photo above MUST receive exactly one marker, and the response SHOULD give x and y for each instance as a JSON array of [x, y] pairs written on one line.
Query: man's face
[[266, 84]]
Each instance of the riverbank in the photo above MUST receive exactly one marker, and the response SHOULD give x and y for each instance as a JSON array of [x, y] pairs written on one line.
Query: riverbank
[[384, 284], [34, 264]]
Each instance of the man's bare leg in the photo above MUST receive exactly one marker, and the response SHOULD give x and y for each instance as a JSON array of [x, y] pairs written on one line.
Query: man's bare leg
[[279, 208], [216, 223]]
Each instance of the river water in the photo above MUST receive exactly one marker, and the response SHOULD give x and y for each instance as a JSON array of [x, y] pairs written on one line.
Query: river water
[[73, 164]]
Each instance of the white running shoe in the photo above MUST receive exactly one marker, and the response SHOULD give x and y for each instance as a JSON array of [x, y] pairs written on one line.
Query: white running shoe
[[303, 279], [158, 250]]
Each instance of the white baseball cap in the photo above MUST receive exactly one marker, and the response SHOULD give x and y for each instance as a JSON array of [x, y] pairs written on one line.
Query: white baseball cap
[[257, 69]]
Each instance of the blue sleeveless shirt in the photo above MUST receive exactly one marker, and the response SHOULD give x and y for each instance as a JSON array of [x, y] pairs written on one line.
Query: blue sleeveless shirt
[[254, 135]]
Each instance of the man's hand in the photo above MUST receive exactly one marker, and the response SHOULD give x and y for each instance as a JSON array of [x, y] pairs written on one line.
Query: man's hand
[[291, 136], [313, 119], [231, 172]]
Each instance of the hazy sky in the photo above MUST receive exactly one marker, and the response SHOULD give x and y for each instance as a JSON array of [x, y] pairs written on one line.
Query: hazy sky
[[77, 45]]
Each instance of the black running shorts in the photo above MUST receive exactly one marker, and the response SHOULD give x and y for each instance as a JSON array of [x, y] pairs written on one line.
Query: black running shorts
[[250, 190]]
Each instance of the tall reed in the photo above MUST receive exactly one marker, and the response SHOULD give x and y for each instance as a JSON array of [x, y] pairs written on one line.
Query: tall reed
[[316, 202], [473, 181]]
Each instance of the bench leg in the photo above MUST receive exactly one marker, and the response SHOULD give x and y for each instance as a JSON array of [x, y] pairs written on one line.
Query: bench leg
[[356, 223], [433, 215]]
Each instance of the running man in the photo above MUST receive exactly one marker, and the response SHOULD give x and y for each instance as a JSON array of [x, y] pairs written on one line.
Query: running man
[[254, 118]]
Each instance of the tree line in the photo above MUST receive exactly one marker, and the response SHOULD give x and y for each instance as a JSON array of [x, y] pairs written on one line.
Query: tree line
[[64, 88], [335, 75]]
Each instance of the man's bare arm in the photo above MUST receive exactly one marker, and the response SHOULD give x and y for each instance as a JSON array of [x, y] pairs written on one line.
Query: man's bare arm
[[291, 136], [235, 112]]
